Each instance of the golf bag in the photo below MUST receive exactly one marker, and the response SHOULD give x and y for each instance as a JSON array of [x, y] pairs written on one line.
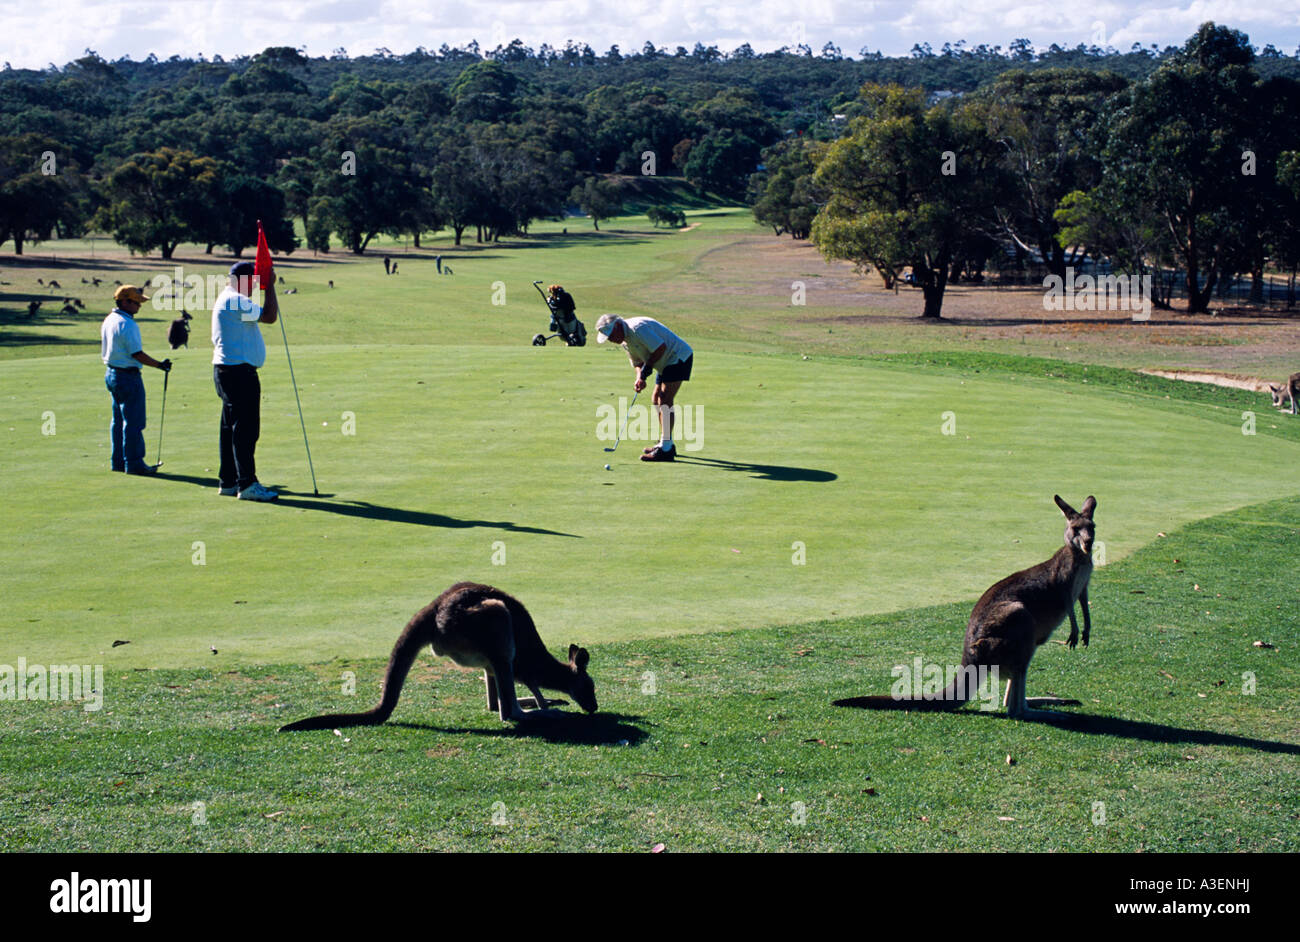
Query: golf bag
[[564, 319]]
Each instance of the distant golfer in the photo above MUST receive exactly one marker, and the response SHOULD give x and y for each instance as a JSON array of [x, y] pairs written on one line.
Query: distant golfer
[[652, 346], [238, 353], [122, 352]]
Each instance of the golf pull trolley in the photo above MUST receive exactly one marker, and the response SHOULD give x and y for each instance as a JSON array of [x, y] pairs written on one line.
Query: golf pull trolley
[[564, 322]]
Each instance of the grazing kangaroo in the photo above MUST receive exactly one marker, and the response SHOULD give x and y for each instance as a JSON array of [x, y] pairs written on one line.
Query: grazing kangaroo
[[477, 626], [1013, 618], [1290, 391], [178, 334]]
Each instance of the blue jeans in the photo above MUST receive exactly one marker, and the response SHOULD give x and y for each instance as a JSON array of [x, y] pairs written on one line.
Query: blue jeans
[[126, 432]]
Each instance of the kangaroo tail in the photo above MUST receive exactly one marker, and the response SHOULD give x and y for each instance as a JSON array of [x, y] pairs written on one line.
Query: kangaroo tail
[[408, 645]]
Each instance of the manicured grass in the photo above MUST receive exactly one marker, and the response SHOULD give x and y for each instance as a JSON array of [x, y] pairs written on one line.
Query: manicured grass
[[826, 495], [484, 463], [1252, 412], [489, 298], [738, 729]]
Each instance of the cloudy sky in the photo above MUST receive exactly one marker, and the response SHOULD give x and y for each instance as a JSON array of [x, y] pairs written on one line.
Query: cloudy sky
[[44, 31]]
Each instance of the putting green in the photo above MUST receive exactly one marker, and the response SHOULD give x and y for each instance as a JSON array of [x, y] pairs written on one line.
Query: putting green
[[481, 462]]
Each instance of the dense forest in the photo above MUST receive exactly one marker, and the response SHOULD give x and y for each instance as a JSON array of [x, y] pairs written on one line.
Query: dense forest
[[937, 164]]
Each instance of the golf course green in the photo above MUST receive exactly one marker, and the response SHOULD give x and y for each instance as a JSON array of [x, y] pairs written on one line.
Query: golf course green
[[849, 507]]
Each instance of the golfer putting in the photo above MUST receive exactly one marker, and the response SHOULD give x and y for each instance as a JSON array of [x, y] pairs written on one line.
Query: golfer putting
[[652, 346]]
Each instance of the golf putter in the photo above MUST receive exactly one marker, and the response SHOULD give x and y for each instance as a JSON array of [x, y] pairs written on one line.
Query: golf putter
[[629, 409], [163, 417]]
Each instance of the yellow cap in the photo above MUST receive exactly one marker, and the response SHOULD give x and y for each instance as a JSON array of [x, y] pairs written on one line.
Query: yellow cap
[[130, 293]]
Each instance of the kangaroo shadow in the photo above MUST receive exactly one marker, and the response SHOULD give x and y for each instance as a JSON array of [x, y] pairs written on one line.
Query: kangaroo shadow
[[765, 472], [578, 729], [1100, 725], [1094, 724], [369, 511]]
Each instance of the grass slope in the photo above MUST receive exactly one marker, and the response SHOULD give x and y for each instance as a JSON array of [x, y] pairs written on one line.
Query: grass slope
[[739, 728]]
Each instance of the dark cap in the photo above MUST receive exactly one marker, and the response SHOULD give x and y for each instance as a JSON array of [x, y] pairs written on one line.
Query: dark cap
[[242, 268]]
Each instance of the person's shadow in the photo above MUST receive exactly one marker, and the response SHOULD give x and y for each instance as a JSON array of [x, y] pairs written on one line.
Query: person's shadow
[[766, 472], [369, 511], [1098, 725]]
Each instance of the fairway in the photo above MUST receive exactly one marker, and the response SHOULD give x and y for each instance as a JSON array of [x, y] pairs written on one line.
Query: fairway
[[830, 516]]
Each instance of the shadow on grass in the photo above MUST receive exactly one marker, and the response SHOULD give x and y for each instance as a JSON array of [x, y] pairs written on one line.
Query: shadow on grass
[[10, 338], [1095, 725], [14, 311], [564, 240], [579, 729], [369, 511], [766, 472], [1073, 323]]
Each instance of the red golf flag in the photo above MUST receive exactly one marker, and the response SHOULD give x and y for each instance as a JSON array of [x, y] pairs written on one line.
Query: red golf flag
[[262, 267]]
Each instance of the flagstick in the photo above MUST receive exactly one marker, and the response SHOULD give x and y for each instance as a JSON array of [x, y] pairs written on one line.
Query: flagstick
[[315, 491], [271, 274]]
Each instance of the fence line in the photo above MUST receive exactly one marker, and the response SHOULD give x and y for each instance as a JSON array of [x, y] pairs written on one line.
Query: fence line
[[1236, 292]]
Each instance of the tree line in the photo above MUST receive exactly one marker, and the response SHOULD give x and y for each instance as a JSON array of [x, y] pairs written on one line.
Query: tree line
[[1194, 167], [491, 152], [190, 150]]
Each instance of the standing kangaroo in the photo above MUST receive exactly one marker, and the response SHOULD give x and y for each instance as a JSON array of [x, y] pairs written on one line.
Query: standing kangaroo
[[1289, 391], [477, 626], [1013, 617]]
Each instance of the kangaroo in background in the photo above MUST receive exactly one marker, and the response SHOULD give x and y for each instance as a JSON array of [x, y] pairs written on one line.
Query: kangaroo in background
[[477, 626], [178, 334], [1291, 390], [1013, 617]]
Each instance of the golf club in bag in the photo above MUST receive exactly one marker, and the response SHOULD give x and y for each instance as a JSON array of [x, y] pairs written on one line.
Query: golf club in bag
[[564, 322]]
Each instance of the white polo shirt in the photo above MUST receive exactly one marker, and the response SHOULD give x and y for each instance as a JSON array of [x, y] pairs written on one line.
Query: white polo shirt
[[643, 335], [236, 338], [119, 337]]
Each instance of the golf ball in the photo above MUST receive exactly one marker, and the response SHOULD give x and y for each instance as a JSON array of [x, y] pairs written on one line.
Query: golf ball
[[606, 467]]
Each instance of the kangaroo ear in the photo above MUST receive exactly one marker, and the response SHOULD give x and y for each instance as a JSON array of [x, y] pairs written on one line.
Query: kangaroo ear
[[1065, 508], [573, 652], [1089, 506], [582, 659]]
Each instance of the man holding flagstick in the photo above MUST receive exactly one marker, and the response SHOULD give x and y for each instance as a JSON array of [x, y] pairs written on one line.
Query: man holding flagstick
[[238, 353], [267, 277]]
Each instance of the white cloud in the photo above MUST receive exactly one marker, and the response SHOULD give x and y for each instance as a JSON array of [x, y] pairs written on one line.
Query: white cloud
[[60, 30]]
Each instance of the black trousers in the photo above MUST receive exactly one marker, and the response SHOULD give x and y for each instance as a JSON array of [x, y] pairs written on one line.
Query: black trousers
[[241, 423]]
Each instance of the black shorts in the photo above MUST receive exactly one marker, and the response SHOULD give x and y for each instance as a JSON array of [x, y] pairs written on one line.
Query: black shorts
[[678, 372]]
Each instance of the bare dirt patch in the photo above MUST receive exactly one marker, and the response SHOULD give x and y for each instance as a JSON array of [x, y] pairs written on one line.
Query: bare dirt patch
[[1216, 379], [844, 311]]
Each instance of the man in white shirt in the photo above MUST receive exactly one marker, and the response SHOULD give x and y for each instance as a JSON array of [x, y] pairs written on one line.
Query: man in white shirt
[[650, 346], [122, 351], [238, 353]]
